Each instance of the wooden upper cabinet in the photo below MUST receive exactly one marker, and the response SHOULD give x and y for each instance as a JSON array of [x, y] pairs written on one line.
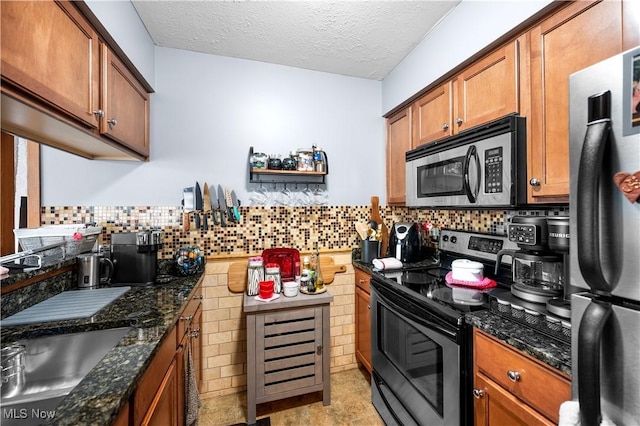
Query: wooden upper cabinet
[[433, 115], [482, 92], [488, 89], [579, 35], [50, 51], [125, 105], [398, 143]]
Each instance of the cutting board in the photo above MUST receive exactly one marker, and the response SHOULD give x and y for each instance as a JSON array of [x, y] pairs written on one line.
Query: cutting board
[[237, 275], [68, 305], [375, 216]]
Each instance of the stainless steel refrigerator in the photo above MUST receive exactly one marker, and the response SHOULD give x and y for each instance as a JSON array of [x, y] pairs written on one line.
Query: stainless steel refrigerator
[[605, 239]]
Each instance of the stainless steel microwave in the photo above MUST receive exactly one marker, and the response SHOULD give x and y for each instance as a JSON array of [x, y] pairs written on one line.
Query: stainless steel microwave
[[483, 167]]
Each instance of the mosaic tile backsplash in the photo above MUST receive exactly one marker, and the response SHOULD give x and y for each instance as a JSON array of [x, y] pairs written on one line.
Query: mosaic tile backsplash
[[330, 227]]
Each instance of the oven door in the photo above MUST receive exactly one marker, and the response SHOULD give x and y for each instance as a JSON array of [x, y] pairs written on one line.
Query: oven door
[[416, 361]]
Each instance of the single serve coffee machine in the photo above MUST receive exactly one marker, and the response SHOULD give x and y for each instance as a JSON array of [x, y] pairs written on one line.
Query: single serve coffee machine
[[135, 257]]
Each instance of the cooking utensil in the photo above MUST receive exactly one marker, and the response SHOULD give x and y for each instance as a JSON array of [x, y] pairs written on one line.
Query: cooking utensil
[[199, 203], [222, 206], [206, 208], [213, 202], [236, 206], [361, 229], [188, 204], [375, 216]]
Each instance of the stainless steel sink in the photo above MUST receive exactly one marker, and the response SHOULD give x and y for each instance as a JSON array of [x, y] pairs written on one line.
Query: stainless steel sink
[[52, 367]]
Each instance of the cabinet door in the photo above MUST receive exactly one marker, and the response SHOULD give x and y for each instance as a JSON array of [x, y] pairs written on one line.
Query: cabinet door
[[488, 89], [196, 345], [496, 406], [432, 115], [363, 328], [577, 36], [125, 104], [398, 143], [164, 409], [50, 52]]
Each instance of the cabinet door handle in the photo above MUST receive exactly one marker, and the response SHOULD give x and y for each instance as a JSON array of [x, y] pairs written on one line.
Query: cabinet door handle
[[514, 376], [98, 113], [369, 307], [195, 333], [534, 182], [478, 393], [187, 318], [361, 281], [319, 349], [445, 126], [459, 121], [198, 297], [113, 121]]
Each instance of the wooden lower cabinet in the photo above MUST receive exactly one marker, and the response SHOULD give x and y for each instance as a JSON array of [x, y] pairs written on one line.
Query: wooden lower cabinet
[[513, 388], [159, 398], [363, 319]]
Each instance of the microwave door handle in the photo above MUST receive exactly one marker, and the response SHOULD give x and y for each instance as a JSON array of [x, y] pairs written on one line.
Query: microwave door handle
[[587, 196], [592, 324], [472, 195]]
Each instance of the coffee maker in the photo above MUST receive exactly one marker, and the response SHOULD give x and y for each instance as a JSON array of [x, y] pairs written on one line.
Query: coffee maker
[[135, 257], [538, 272]]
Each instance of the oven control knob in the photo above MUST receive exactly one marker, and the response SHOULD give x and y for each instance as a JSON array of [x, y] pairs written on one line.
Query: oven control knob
[[445, 238], [454, 239]]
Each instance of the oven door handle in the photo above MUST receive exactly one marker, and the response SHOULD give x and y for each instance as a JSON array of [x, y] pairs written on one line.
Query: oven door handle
[[452, 335], [472, 194]]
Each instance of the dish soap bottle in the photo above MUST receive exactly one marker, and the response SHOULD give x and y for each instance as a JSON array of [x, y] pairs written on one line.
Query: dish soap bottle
[[319, 277]]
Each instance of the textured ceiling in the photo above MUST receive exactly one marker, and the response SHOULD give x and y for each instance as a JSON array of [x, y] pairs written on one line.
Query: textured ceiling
[[357, 38]]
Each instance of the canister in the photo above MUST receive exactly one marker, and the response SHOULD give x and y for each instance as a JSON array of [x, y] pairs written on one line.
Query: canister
[[272, 273], [255, 275]]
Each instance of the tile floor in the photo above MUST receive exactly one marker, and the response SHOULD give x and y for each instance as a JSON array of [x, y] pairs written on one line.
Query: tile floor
[[350, 405]]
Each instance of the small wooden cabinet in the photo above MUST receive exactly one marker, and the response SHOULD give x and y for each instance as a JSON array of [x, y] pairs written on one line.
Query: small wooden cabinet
[[513, 388], [363, 319], [63, 86], [288, 348], [581, 34], [398, 143], [482, 92]]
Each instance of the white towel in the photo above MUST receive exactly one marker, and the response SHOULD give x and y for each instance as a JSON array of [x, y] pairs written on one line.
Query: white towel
[[386, 263], [570, 415]]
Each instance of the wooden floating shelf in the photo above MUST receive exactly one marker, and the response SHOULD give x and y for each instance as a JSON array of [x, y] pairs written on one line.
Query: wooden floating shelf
[[285, 172]]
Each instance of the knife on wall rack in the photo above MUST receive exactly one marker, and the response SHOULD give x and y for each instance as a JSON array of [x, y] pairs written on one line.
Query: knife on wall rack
[[187, 205], [222, 206], [212, 207], [198, 194], [232, 212], [206, 207]]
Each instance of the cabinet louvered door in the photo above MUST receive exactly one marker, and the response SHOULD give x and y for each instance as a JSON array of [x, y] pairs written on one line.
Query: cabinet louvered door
[[288, 352]]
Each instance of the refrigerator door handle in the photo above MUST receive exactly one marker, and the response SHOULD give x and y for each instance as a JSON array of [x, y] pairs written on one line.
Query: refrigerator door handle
[[592, 323], [588, 199]]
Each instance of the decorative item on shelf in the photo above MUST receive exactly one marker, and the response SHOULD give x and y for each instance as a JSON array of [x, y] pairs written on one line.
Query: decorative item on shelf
[[305, 160], [290, 163], [274, 163], [259, 160], [189, 260]]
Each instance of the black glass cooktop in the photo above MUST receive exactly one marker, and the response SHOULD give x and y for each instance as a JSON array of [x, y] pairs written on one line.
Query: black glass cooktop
[[428, 284]]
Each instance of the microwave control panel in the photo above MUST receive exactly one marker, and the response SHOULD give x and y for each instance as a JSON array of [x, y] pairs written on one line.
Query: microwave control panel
[[493, 170]]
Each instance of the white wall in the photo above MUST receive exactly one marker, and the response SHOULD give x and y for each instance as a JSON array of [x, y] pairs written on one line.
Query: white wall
[[206, 113], [469, 28], [121, 20]]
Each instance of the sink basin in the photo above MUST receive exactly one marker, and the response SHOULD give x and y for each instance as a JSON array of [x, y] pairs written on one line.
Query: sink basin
[[53, 366]]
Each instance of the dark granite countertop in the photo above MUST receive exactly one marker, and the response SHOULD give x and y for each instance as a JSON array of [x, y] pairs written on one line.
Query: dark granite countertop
[[550, 351], [151, 311]]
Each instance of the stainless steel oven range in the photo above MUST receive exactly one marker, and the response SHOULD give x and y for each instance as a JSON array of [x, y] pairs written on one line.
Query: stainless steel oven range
[[420, 346]]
